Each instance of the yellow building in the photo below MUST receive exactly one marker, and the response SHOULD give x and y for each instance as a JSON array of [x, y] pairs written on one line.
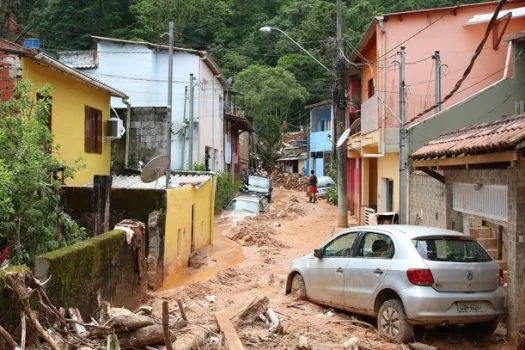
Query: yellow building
[[80, 109]]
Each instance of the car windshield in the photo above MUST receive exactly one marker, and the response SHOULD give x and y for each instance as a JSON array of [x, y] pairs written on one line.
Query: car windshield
[[243, 205], [258, 182], [452, 249]]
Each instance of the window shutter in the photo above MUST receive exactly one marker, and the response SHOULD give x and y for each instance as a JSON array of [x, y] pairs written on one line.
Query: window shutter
[[88, 130], [98, 127], [93, 130]]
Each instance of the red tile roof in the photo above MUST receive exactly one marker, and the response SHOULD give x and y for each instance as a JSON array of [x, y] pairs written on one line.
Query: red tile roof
[[501, 135]]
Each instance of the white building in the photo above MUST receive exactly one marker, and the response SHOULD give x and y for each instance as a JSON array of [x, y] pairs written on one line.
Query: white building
[[140, 69]]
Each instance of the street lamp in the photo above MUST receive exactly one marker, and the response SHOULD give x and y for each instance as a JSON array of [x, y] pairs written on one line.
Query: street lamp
[[268, 29]]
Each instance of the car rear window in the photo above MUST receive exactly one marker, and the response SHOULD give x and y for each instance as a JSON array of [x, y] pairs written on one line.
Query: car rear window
[[451, 249]]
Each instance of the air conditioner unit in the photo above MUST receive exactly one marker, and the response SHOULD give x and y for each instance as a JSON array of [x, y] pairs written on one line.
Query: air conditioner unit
[[115, 128]]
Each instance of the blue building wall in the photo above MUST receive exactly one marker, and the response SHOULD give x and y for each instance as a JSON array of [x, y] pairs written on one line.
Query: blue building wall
[[320, 136]]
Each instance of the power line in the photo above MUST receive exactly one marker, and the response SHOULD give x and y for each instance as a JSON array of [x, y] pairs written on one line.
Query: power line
[[472, 61]]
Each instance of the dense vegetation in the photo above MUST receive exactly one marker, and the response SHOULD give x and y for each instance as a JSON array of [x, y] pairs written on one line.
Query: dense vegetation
[[228, 29], [31, 218]]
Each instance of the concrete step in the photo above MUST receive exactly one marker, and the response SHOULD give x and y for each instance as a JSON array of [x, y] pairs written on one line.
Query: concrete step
[[480, 232], [503, 264], [488, 243]]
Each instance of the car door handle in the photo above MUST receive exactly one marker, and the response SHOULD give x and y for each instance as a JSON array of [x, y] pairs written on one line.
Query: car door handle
[[339, 270], [378, 271]]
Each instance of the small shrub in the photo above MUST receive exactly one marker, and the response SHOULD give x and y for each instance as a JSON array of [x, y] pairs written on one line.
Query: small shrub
[[199, 167], [227, 188], [331, 196]]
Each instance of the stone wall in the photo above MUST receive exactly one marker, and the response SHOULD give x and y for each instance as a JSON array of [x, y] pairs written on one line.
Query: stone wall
[[148, 137], [514, 178], [104, 266], [427, 201]]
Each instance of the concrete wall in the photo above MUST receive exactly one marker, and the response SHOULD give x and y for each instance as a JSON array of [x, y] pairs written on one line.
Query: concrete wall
[[148, 135], [67, 119], [387, 167], [427, 201], [514, 178], [189, 225], [104, 266]]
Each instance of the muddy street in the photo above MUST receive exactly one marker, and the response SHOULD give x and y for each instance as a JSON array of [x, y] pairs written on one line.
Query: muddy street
[[252, 260]]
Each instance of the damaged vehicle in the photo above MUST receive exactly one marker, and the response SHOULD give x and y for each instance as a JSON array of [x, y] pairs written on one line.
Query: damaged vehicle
[[259, 185], [404, 276], [244, 206]]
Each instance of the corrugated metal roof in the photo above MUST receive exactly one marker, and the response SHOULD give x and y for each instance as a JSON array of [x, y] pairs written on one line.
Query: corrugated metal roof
[[177, 180], [501, 135], [83, 59]]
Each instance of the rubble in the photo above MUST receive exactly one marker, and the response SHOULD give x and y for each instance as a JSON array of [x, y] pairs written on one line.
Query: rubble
[[289, 181]]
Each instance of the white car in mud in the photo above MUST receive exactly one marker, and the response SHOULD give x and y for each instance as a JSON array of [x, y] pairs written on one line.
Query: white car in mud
[[245, 206], [404, 276]]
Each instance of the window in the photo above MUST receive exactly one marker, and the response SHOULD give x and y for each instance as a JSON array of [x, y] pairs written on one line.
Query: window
[[341, 246], [371, 90], [326, 125], [92, 130], [376, 246], [453, 249]]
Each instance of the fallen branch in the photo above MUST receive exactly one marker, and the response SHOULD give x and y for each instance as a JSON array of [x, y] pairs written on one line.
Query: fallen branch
[[150, 335], [23, 334], [16, 282], [182, 311], [226, 327], [166, 325], [8, 338]]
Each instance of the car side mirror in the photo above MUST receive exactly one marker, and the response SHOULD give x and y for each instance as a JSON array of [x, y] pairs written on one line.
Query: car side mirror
[[318, 253]]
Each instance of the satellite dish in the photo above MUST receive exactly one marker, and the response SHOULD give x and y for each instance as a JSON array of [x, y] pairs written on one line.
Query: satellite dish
[[343, 138], [155, 168]]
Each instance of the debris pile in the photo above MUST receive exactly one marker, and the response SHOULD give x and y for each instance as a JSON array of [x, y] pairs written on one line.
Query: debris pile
[[254, 233], [60, 328], [289, 181]]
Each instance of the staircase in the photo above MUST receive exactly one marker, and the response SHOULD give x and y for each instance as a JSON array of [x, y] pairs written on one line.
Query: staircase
[[493, 246]]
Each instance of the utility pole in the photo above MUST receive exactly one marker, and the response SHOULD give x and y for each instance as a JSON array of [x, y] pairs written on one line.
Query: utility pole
[[437, 80], [184, 132], [339, 105], [403, 151], [192, 101], [170, 98]]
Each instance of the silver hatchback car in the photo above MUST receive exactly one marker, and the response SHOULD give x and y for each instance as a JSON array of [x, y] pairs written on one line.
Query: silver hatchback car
[[404, 276]]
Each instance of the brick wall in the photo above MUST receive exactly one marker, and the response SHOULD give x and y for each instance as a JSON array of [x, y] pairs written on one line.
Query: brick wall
[[427, 201], [148, 137], [10, 72], [514, 178]]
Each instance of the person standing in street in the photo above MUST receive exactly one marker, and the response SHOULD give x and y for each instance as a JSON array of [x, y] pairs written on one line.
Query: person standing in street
[[312, 188]]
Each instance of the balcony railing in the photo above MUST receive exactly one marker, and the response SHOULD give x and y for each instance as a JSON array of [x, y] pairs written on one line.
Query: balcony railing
[[369, 115]]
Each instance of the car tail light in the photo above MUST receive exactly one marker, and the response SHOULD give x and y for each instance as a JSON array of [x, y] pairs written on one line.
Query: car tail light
[[501, 278], [420, 277]]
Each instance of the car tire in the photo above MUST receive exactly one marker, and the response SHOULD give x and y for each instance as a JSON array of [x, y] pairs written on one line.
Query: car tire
[[298, 288], [392, 322], [483, 330]]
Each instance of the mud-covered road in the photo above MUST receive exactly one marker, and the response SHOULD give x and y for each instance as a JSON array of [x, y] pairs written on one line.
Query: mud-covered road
[[255, 262]]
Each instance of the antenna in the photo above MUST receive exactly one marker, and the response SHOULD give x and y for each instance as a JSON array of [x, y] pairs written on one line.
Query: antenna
[[155, 168]]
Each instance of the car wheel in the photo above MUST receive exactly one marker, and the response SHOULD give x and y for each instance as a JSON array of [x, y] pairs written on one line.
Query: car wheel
[[298, 289], [392, 322], [481, 330]]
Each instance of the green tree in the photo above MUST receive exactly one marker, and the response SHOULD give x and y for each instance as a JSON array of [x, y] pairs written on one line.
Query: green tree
[[31, 219], [268, 95], [69, 24]]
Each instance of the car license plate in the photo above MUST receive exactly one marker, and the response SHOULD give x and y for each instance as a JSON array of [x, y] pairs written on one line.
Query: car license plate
[[469, 306]]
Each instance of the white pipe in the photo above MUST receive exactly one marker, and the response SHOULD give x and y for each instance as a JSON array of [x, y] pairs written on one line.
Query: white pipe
[[507, 60], [128, 123]]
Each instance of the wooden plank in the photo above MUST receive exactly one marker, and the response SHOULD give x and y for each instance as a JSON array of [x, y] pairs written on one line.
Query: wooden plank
[[488, 158], [230, 334]]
